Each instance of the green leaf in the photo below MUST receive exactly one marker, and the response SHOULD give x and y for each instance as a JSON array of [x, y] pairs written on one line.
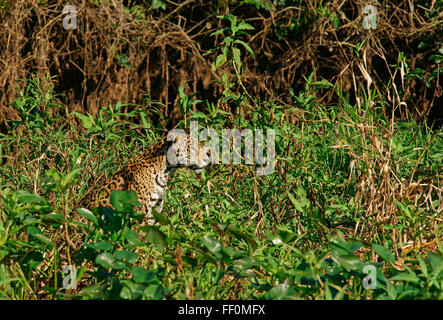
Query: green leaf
[[129, 234], [436, 57], [100, 245], [158, 4], [37, 234], [281, 291], [349, 262], [87, 121], [422, 44], [211, 244], [119, 265], [405, 276], [127, 256], [276, 240], [44, 239], [220, 60], [221, 31], [423, 266], [236, 54], [242, 25], [54, 174], [141, 275], [295, 202], [390, 289], [123, 200], [126, 293], [343, 247], [227, 41], [436, 263], [384, 253], [246, 46], [157, 238], [160, 218], [56, 217], [68, 178], [94, 292], [26, 197], [131, 290], [405, 209], [245, 263], [88, 215], [3, 253], [241, 235], [154, 292], [105, 259]]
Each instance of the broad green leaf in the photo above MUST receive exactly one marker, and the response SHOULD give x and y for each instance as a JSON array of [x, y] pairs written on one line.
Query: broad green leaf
[[131, 290], [121, 199], [127, 256], [154, 292], [160, 218], [390, 289], [281, 291], [129, 234], [26, 197], [384, 253], [245, 263], [37, 234], [87, 121], [119, 265], [94, 292], [100, 245], [41, 237], [88, 215], [126, 293], [343, 247], [349, 262], [435, 261], [56, 217], [405, 276], [141, 275], [157, 238], [105, 259], [211, 244]]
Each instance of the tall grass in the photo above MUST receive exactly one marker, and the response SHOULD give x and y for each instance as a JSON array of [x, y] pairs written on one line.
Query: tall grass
[[351, 189]]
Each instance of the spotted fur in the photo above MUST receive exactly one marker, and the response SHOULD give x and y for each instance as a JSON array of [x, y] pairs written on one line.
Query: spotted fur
[[148, 173]]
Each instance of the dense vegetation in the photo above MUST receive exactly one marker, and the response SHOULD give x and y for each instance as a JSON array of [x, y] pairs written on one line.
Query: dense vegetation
[[352, 210]]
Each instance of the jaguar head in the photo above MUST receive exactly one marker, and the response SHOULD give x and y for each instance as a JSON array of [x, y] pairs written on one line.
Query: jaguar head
[[186, 151]]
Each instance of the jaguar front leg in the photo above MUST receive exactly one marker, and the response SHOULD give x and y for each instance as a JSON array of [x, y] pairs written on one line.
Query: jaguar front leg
[[149, 215]]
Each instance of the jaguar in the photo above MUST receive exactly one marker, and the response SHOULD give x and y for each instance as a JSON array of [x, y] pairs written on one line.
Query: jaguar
[[148, 173]]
